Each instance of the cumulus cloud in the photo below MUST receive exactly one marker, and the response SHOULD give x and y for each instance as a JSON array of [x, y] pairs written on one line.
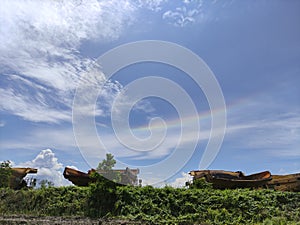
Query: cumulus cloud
[[49, 168], [180, 181], [72, 167]]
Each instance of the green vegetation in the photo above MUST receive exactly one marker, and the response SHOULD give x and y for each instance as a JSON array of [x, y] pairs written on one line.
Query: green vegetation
[[5, 173], [106, 168], [101, 197], [185, 206], [199, 184], [107, 164], [45, 183], [198, 204], [52, 201], [156, 205]]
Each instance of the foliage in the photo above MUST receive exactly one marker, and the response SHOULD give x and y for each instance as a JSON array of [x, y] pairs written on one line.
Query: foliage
[[156, 205], [52, 201], [241, 206], [5, 174], [107, 164], [46, 183], [106, 168], [101, 196], [200, 184]]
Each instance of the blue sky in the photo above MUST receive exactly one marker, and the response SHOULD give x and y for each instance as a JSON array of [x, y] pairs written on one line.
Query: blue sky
[[252, 48]]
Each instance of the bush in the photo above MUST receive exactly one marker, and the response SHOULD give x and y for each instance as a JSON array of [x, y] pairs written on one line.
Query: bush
[[101, 197], [5, 174], [156, 205], [200, 184]]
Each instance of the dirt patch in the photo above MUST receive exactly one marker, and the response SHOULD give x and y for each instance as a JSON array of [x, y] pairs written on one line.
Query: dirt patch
[[35, 220]]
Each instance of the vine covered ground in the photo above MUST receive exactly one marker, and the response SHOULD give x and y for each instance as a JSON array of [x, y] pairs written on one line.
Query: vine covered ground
[[155, 205]]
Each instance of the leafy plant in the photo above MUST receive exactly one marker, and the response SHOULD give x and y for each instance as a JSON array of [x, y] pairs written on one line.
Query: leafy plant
[[101, 196], [156, 205], [107, 164], [200, 184], [5, 174], [46, 183], [105, 168]]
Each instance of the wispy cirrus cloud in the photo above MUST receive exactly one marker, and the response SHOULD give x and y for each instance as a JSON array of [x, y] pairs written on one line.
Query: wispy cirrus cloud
[[155, 5], [183, 13], [278, 135], [2, 123], [254, 135], [275, 131], [186, 12], [31, 108], [50, 32], [40, 43], [40, 50]]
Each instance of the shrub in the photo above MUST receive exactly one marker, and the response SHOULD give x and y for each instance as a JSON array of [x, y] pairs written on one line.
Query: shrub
[[156, 205], [5, 174]]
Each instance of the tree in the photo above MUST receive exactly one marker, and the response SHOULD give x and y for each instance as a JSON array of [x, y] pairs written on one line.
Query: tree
[[102, 196], [199, 183], [108, 163], [46, 183], [5, 173], [105, 168]]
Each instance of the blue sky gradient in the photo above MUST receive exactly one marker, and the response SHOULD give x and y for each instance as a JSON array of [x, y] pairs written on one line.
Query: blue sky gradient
[[252, 47]]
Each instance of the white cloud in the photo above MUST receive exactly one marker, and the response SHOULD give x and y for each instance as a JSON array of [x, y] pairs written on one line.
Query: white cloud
[[154, 5], [275, 132], [56, 137], [48, 168], [250, 135], [2, 123], [285, 131], [30, 108], [36, 36], [188, 12], [55, 27], [180, 17], [72, 167], [40, 41], [180, 181]]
